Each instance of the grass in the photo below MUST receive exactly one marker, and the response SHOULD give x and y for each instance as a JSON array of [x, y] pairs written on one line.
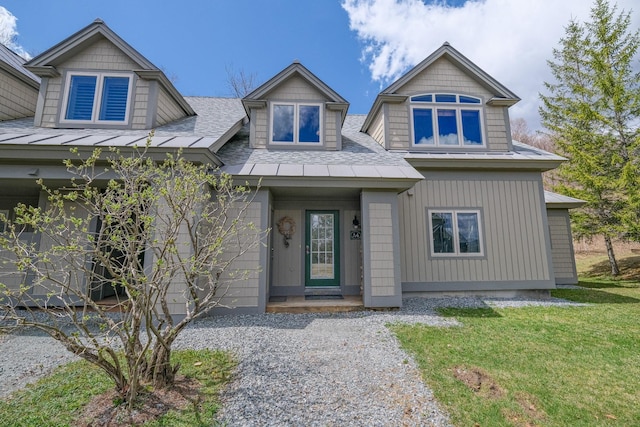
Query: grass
[[546, 366], [58, 399]]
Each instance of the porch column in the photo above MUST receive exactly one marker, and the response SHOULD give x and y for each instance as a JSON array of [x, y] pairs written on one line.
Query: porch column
[[381, 249]]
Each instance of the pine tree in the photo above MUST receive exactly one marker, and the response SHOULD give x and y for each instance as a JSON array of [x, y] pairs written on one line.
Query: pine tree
[[592, 111]]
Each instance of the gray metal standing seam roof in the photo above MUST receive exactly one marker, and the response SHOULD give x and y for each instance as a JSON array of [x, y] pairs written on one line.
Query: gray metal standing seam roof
[[216, 116]]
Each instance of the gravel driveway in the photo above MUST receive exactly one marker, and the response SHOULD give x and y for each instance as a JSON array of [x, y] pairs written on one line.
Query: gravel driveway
[[341, 369]]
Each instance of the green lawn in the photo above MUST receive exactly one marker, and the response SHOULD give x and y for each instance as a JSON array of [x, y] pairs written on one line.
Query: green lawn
[[59, 399], [553, 366]]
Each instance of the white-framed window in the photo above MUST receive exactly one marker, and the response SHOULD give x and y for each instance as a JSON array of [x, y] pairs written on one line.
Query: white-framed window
[[4, 217], [103, 98], [296, 123], [446, 120], [455, 232]]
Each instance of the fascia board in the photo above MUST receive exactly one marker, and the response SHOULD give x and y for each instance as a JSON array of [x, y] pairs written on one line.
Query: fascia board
[[86, 35]]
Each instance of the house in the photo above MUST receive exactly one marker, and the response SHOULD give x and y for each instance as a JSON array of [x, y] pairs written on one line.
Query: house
[[427, 194]]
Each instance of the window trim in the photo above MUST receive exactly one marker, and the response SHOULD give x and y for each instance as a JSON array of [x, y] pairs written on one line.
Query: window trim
[[458, 106], [296, 123], [456, 236], [97, 99]]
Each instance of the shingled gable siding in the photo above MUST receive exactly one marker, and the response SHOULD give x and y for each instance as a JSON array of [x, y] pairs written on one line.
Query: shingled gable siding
[[246, 294], [380, 250], [17, 99], [513, 226], [564, 266], [296, 89], [100, 56], [377, 128], [241, 294], [168, 110], [259, 135], [443, 76], [140, 105]]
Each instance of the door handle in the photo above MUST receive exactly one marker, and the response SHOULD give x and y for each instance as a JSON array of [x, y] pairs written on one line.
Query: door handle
[[307, 249]]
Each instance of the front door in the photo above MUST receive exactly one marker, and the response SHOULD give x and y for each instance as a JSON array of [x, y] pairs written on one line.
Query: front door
[[322, 253]]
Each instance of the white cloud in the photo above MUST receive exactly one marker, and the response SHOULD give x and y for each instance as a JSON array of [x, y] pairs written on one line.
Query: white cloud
[[511, 40], [9, 32]]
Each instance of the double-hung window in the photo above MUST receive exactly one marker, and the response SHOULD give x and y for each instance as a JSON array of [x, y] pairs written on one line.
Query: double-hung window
[[455, 232], [446, 120], [296, 123], [97, 98]]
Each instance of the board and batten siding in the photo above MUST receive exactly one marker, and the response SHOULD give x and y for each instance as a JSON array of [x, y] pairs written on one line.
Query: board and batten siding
[[564, 266], [17, 99], [443, 76], [513, 227], [287, 267]]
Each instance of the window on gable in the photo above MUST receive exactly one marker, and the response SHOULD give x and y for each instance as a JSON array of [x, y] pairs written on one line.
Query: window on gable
[[455, 232], [296, 123], [446, 120], [97, 98]]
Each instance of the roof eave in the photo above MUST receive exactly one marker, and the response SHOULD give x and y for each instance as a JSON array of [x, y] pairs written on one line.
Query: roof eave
[[161, 78], [541, 165], [394, 184], [382, 98]]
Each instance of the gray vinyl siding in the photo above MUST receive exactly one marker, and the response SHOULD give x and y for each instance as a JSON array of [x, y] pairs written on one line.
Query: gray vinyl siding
[[512, 223], [17, 99], [443, 76], [564, 266]]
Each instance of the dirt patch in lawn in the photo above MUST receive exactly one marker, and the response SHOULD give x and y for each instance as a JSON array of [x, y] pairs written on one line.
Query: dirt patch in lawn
[[101, 411], [479, 381]]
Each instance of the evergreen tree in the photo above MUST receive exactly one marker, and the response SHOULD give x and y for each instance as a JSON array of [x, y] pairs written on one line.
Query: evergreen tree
[[592, 111]]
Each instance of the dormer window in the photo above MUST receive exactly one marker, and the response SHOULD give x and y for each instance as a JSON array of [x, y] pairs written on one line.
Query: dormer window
[[296, 123], [446, 120], [97, 98]]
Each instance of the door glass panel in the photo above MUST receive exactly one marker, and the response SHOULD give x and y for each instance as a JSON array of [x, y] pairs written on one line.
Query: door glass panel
[[322, 246]]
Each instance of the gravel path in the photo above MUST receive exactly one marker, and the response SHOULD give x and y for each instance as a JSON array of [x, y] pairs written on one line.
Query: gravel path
[[296, 369]]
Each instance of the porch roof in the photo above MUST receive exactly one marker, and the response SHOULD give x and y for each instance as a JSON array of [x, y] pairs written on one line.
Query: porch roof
[[360, 162]]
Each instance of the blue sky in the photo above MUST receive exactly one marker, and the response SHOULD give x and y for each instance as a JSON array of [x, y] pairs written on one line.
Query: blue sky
[[355, 46]]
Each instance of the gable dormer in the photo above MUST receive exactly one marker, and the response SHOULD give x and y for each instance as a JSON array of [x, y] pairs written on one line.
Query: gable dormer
[[94, 79], [18, 87], [295, 110], [444, 104]]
